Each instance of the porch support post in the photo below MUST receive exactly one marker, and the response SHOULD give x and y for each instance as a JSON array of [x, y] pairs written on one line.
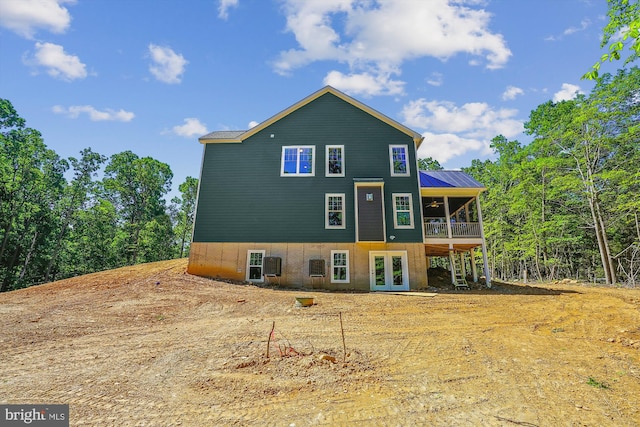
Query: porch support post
[[467, 213], [448, 218], [485, 259], [474, 267], [452, 265], [463, 267]]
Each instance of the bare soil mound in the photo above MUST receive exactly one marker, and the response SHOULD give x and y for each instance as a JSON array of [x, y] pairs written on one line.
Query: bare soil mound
[[153, 346]]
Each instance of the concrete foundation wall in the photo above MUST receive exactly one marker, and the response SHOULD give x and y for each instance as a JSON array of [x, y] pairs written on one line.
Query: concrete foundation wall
[[229, 261]]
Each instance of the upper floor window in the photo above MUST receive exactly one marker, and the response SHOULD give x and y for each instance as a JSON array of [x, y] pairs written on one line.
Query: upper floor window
[[399, 159], [335, 160], [334, 215], [402, 210], [298, 160]]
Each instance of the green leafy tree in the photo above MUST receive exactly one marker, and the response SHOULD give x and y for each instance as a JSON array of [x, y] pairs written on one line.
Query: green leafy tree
[[136, 186], [31, 181], [91, 244], [429, 164], [73, 199], [622, 30], [183, 208]]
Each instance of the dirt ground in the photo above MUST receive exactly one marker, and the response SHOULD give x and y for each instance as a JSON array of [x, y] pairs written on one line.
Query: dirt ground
[[153, 346]]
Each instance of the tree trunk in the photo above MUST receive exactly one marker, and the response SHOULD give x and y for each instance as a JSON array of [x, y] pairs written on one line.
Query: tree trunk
[[29, 254], [601, 246], [7, 231], [605, 240], [7, 279]]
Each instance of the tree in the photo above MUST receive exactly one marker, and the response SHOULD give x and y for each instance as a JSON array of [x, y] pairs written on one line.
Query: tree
[[184, 213], [429, 164], [624, 28], [31, 180], [73, 199], [136, 186]]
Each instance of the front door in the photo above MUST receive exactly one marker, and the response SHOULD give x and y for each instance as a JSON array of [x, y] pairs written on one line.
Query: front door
[[388, 271]]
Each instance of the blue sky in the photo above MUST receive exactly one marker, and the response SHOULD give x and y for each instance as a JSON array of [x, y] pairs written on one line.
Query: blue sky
[[151, 76]]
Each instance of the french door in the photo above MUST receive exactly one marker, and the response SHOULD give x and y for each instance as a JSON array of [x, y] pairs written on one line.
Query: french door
[[388, 271]]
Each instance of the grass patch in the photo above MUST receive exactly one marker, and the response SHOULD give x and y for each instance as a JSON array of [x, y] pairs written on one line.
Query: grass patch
[[597, 384]]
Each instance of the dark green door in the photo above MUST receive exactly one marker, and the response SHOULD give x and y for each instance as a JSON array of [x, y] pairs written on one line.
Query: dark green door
[[370, 214]]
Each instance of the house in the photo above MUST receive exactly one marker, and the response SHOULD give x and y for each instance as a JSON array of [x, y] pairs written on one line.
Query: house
[[327, 194]]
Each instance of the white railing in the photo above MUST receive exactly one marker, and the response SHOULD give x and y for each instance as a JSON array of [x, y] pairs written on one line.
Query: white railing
[[458, 229]]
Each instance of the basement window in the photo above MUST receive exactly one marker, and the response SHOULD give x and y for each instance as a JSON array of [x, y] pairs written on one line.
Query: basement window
[[339, 266], [255, 266]]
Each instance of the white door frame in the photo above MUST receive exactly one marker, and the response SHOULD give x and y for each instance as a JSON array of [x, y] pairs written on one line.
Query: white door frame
[[388, 272]]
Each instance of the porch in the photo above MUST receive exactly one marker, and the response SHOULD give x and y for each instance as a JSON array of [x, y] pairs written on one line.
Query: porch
[[452, 222], [435, 228]]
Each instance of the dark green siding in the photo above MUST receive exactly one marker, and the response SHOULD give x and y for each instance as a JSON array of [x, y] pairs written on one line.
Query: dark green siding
[[243, 198]]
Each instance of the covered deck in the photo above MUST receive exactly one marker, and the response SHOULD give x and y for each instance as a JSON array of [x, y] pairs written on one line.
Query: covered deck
[[452, 220]]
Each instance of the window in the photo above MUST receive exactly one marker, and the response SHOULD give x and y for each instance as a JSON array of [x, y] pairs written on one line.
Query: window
[[399, 158], [298, 160], [254, 266], [334, 216], [402, 210], [335, 160], [339, 266]]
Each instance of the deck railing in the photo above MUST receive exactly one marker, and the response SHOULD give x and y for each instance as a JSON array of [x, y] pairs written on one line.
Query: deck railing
[[458, 229]]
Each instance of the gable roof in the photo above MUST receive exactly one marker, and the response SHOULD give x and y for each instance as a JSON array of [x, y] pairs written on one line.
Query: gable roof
[[447, 179], [239, 136]]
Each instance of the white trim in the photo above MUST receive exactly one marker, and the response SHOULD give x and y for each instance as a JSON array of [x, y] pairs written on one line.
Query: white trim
[[326, 163], [395, 210], [340, 266], [298, 173], [406, 160], [326, 212], [248, 271]]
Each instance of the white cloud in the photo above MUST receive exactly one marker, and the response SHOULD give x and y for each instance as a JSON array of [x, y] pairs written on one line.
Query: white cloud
[[567, 92], [511, 92], [94, 115], [436, 79], [584, 24], [446, 146], [225, 5], [167, 66], [191, 127], [253, 124], [365, 84], [451, 130], [375, 37], [58, 63], [24, 17]]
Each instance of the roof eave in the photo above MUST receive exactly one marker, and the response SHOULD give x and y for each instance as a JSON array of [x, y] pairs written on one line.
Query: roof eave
[[203, 140], [451, 191]]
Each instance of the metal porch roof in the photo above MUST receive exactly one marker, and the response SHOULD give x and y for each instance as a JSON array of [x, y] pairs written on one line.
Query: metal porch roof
[[447, 179]]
